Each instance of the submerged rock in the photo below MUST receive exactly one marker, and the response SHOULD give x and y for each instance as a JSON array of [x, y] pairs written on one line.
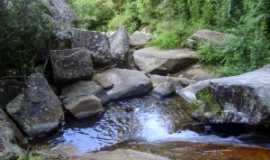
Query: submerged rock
[[119, 42], [125, 83], [38, 110], [81, 99], [96, 42], [121, 154], [153, 60], [9, 134], [71, 64], [240, 99], [140, 39]]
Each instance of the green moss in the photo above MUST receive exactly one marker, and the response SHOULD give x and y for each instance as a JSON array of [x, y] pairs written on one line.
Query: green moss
[[206, 102], [30, 156]]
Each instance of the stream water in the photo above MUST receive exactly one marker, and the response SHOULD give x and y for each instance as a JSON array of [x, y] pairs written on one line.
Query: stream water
[[149, 119]]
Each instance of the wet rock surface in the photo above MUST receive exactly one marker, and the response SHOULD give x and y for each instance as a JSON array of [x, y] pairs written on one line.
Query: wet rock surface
[[81, 100], [37, 110], [121, 154], [197, 151], [71, 64], [153, 60]]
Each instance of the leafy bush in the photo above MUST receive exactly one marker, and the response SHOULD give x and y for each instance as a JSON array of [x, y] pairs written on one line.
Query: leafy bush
[[93, 14], [171, 34], [127, 18], [248, 49], [25, 29], [30, 156]]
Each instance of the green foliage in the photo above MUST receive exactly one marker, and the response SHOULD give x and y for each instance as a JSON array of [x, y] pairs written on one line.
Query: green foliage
[[25, 30], [127, 18], [248, 49], [30, 156], [173, 37], [207, 102], [93, 14]]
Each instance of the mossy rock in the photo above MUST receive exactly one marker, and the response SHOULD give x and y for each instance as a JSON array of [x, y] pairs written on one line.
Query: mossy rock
[[206, 105]]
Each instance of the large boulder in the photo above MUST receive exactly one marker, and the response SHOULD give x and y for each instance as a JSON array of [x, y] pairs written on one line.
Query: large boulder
[[119, 42], [208, 36], [81, 99], [72, 64], [121, 154], [98, 43], [38, 110], [9, 134], [124, 83], [154, 60], [242, 99], [140, 39]]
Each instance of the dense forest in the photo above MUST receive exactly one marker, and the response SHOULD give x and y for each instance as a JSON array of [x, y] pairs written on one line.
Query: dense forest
[[172, 21]]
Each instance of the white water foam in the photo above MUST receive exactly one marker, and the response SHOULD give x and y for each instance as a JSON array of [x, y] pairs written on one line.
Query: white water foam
[[154, 127]]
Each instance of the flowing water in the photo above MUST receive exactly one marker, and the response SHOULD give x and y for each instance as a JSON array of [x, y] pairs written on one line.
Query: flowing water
[[149, 119]]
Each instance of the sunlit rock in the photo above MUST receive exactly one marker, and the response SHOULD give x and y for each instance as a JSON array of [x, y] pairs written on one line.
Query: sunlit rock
[[154, 60], [240, 99]]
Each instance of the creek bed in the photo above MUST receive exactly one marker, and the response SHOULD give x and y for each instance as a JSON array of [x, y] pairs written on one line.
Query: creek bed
[[148, 119]]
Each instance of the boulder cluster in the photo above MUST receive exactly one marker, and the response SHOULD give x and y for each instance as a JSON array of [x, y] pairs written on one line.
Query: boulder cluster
[[90, 69]]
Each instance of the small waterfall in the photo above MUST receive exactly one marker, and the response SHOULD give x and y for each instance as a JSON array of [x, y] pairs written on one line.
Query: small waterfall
[[155, 127]]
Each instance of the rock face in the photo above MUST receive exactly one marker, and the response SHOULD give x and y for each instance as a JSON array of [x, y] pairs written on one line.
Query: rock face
[[96, 42], [140, 39], [9, 135], [153, 60], [198, 151], [81, 99], [165, 85], [119, 42], [208, 36], [125, 83], [38, 110], [121, 154], [61, 12], [196, 73], [240, 99], [71, 64]]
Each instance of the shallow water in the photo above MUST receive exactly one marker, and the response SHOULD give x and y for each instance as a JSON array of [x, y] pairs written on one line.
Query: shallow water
[[147, 119]]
